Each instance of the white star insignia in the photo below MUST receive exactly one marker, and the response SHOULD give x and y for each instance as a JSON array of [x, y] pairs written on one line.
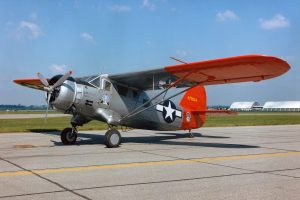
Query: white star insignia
[[170, 111]]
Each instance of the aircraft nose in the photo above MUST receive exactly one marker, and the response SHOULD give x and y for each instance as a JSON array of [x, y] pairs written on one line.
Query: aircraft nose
[[63, 97]]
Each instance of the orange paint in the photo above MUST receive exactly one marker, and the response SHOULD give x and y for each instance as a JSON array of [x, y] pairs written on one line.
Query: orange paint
[[193, 99], [231, 70], [34, 83]]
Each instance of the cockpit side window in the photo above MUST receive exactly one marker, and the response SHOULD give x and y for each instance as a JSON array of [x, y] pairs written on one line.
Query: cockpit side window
[[106, 85]]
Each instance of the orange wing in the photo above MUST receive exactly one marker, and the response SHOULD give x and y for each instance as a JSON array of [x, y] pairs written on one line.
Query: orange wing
[[218, 71], [211, 72], [230, 70], [34, 83]]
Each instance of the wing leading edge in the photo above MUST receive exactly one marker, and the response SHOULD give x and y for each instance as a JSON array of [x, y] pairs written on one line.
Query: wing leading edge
[[34, 83], [219, 71]]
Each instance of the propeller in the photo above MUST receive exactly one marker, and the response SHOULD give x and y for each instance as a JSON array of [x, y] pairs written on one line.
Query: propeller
[[50, 88]]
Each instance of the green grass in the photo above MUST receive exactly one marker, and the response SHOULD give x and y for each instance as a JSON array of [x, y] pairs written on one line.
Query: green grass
[[59, 123], [38, 125], [29, 112], [268, 113], [252, 120]]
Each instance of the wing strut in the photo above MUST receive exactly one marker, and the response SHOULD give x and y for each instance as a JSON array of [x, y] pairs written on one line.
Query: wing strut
[[138, 109], [179, 60]]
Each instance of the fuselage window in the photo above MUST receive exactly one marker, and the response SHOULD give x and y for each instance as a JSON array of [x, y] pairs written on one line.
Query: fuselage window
[[107, 85], [122, 90]]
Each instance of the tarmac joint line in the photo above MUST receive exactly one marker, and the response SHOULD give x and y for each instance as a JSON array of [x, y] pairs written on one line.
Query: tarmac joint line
[[152, 163]]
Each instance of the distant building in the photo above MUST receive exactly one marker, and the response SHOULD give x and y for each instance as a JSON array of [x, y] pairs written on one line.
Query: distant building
[[244, 106], [282, 106]]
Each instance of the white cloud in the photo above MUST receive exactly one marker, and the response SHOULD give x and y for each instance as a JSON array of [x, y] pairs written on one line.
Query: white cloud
[[28, 29], [58, 69], [227, 15], [88, 37], [147, 4], [278, 21], [120, 8]]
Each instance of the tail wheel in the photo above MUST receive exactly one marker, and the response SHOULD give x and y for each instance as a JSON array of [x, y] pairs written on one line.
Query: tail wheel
[[112, 138], [68, 136]]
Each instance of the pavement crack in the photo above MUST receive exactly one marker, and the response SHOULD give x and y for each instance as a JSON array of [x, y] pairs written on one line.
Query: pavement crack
[[287, 150], [220, 165], [46, 179], [31, 194], [164, 181], [256, 171]]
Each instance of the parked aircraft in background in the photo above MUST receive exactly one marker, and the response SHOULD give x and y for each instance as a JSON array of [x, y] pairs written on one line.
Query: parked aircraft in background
[[141, 100]]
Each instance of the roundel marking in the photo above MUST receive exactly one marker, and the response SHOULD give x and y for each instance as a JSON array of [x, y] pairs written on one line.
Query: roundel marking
[[169, 111]]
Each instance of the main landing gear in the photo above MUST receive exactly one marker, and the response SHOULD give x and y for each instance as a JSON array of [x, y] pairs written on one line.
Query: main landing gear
[[190, 134], [112, 137], [68, 136]]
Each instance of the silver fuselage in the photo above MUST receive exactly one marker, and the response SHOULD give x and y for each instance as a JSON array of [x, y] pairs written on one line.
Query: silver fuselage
[[98, 98]]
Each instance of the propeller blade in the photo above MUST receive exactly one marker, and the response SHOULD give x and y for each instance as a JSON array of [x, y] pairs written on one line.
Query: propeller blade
[[48, 102], [62, 79], [42, 79]]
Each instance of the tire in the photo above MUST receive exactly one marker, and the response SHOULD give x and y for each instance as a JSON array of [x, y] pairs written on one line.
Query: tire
[[68, 136], [112, 138]]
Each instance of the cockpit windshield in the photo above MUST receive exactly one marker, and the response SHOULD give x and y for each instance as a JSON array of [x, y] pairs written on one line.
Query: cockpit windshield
[[95, 81]]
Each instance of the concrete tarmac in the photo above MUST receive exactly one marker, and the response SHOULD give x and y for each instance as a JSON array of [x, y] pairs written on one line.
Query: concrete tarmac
[[260, 162]]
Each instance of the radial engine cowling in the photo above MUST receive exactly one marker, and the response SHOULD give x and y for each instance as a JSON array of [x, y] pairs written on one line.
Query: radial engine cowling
[[63, 97]]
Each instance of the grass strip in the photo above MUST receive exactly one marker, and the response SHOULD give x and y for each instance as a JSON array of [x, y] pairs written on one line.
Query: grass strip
[[59, 123], [252, 120]]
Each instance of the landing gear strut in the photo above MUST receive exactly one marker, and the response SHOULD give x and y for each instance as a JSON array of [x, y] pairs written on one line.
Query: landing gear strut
[[112, 138], [190, 134], [68, 136]]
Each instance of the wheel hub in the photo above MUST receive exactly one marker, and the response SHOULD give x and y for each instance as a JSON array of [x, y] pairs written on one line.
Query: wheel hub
[[114, 139], [70, 136]]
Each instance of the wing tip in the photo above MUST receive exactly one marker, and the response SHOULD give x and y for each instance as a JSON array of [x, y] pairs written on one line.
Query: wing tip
[[18, 81]]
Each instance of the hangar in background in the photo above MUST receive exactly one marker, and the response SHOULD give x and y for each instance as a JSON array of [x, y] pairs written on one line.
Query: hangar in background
[[282, 106], [245, 106], [268, 106]]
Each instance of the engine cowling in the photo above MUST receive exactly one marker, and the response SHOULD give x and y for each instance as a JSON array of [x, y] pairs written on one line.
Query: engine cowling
[[63, 97]]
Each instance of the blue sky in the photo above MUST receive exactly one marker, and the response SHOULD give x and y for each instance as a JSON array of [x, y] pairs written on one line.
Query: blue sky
[[90, 37]]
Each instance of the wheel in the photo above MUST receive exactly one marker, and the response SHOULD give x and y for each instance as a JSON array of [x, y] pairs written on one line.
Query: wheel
[[112, 138], [68, 136]]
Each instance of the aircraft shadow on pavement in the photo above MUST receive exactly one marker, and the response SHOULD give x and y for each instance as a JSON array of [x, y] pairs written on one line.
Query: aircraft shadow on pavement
[[161, 138], [195, 135]]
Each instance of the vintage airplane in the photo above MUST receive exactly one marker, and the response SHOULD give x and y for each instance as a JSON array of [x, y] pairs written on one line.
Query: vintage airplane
[[141, 100]]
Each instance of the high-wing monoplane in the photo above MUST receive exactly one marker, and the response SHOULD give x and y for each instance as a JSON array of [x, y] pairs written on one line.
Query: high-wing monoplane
[[143, 99]]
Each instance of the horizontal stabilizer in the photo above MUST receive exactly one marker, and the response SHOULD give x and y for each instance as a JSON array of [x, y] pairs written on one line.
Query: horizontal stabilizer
[[215, 112]]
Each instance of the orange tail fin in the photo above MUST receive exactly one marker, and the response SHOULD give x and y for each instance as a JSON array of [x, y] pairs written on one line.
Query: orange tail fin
[[193, 101]]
